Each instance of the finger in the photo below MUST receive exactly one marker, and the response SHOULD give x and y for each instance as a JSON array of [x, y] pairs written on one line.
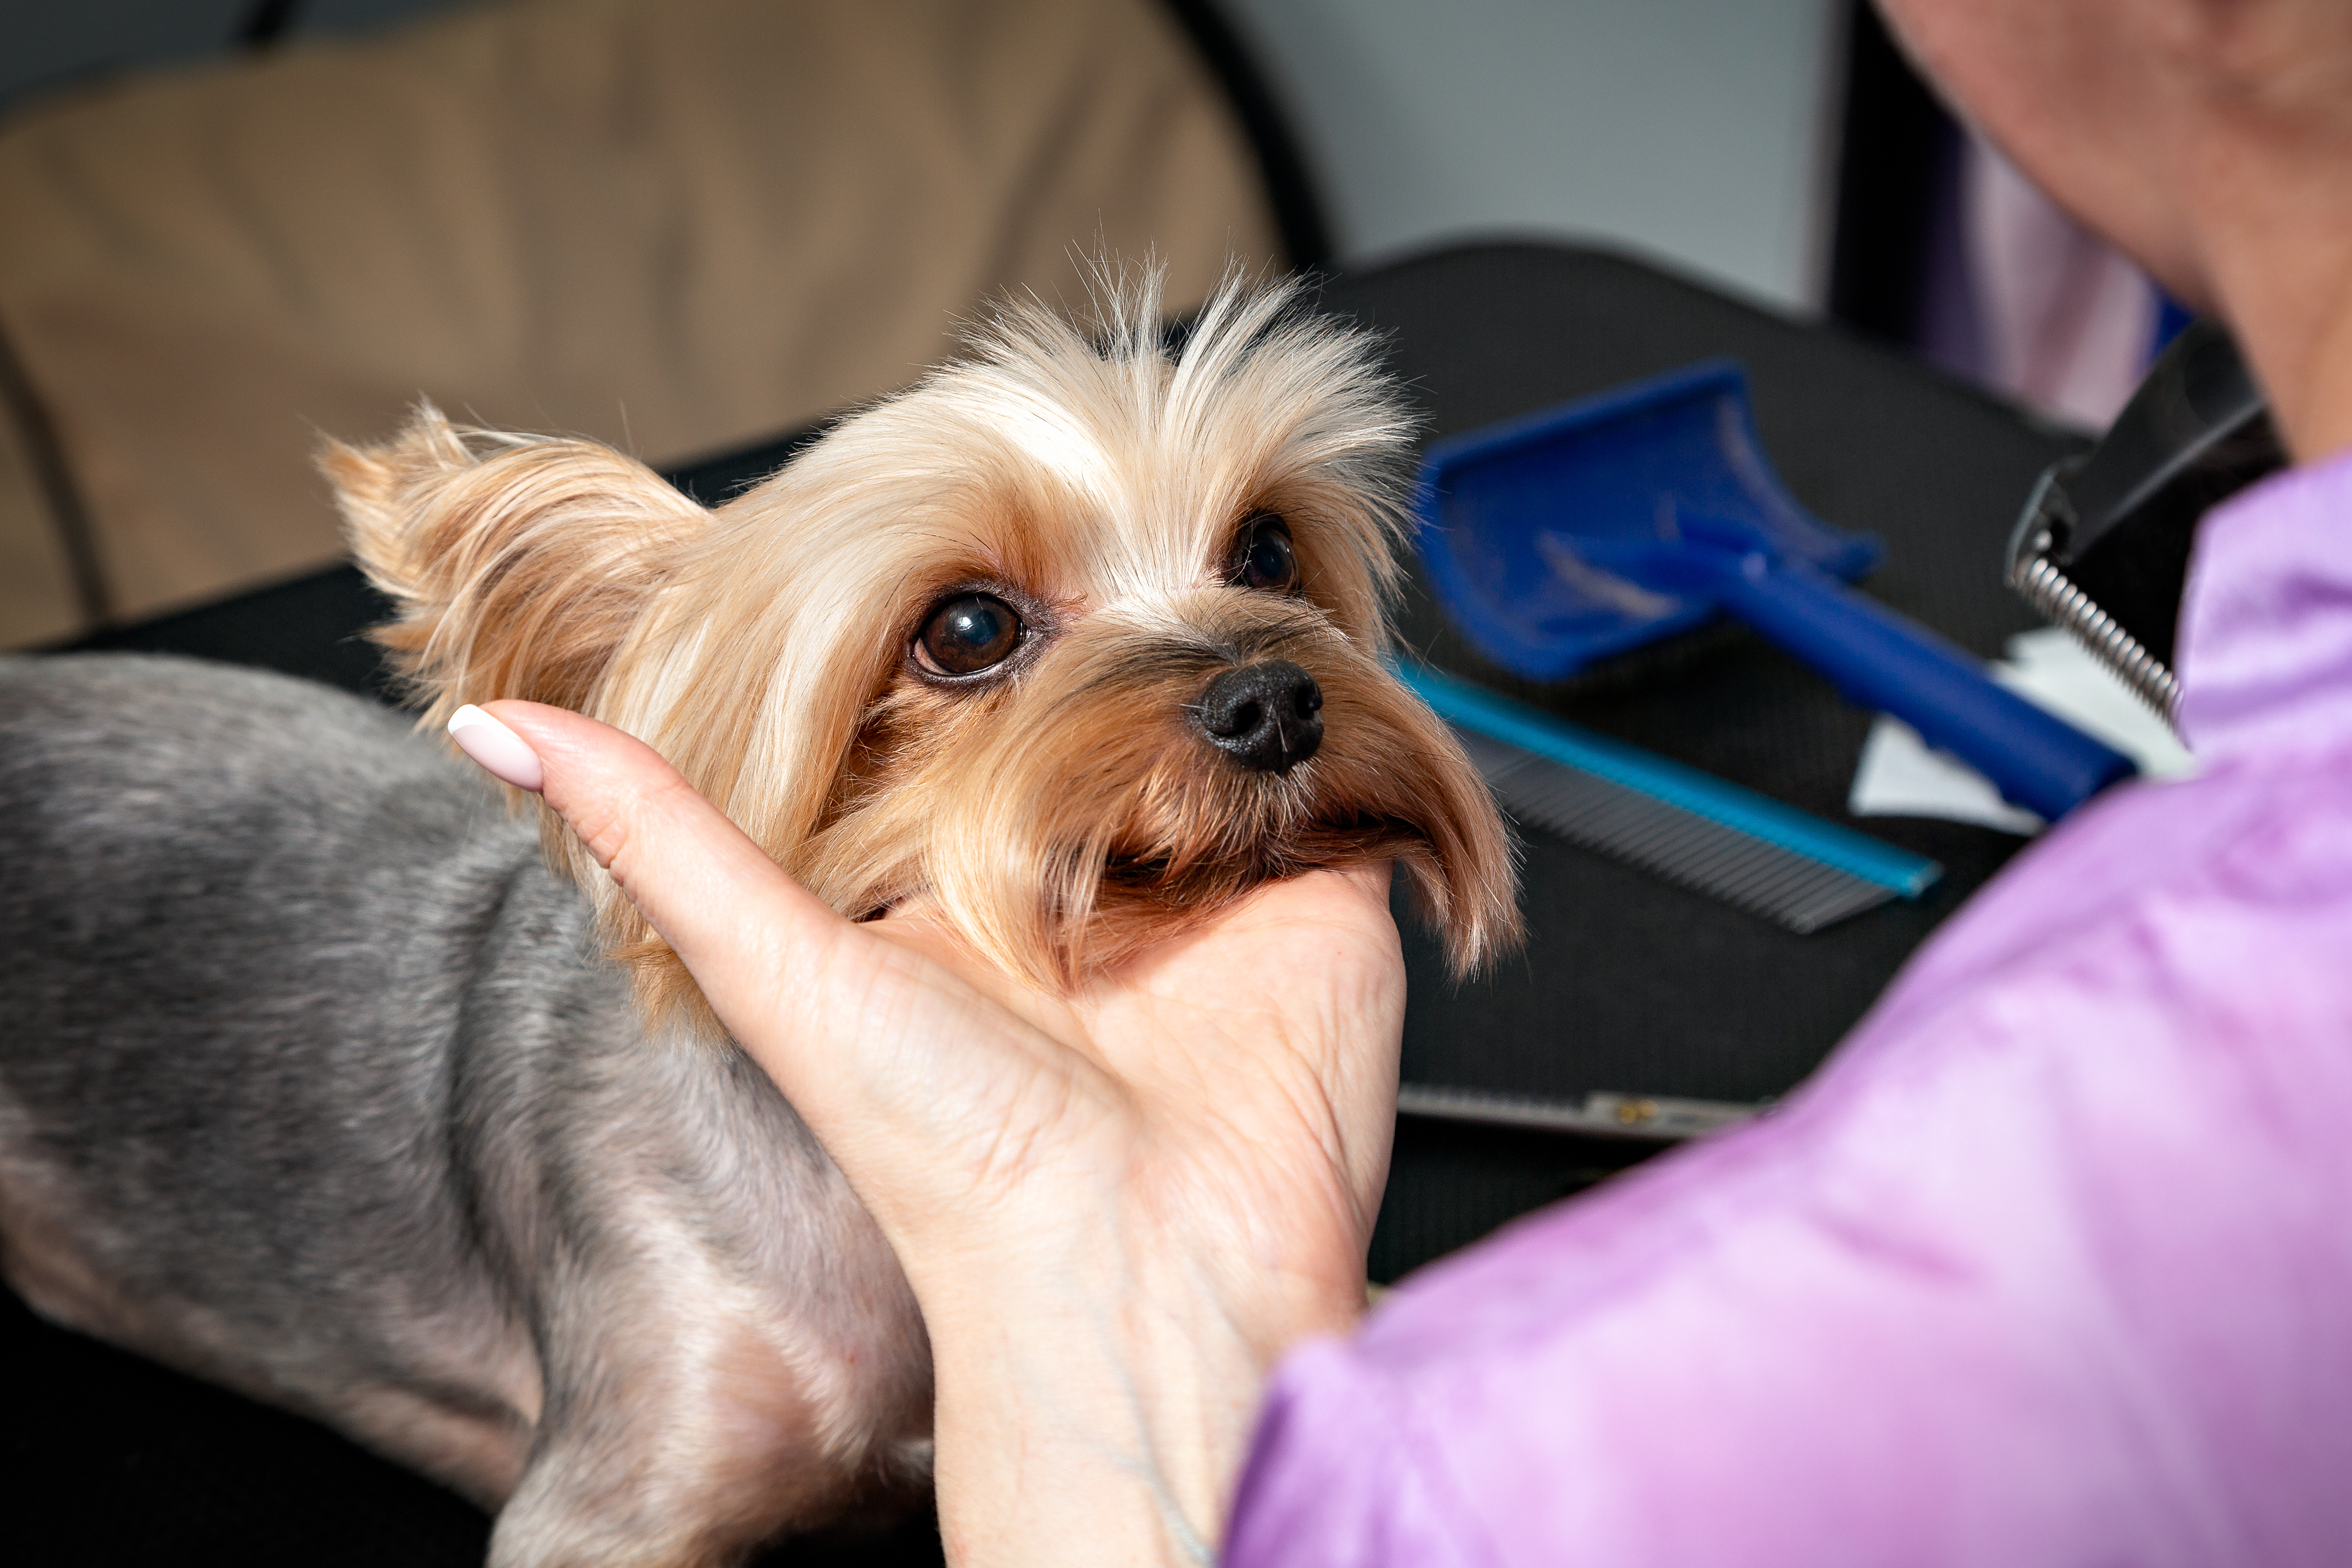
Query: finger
[[1355, 890], [501, 752], [1341, 911], [803, 990], [766, 954], [692, 873], [1370, 879]]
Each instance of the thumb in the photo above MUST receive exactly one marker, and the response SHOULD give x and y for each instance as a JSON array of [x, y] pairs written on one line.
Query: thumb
[[859, 1033], [732, 914]]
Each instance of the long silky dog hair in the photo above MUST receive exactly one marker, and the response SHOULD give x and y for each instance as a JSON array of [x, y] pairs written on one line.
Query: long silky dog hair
[[958, 650]]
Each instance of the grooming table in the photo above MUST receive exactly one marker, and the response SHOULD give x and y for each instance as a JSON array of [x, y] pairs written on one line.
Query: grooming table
[[1626, 984]]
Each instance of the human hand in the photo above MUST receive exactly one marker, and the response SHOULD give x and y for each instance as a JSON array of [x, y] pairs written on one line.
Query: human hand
[[1117, 1208]]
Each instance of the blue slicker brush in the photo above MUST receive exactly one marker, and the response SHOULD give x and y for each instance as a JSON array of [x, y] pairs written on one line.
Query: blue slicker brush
[[1588, 530]]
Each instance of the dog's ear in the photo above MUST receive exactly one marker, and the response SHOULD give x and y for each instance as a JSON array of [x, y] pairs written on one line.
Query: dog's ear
[[518, 563]]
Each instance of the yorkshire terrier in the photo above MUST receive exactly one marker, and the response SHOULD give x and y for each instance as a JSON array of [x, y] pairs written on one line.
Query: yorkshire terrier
[[314, 1081]]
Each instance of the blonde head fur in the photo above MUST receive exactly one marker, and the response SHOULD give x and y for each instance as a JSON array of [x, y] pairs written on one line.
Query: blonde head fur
[[1061, 807]]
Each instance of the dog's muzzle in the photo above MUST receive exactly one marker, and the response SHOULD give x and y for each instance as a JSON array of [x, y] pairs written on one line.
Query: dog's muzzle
[[1267, 715]]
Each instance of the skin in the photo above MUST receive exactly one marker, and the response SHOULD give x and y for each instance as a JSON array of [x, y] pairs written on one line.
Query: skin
[[2208, 139], [1117, 1208], [1117, 1211]]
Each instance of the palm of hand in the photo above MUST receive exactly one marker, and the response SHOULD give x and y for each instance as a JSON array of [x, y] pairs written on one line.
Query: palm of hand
[[1230, 1091]]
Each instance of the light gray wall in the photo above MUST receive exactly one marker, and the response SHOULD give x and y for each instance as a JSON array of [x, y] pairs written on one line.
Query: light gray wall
[[1702, 131], [1694, 130], [44, 43], [47, 41]]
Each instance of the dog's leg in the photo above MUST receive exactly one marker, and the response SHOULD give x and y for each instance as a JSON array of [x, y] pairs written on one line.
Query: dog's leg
[[685, 1438], [729, 1347], [530, 1251]]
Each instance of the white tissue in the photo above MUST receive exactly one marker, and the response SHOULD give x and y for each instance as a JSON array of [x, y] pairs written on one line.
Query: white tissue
[[1900, 775]]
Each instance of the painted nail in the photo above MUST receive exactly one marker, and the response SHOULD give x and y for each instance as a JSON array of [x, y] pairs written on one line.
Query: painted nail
[[502, 753]]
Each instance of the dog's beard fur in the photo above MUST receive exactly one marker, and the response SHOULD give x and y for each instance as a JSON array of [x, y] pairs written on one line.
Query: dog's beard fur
[[1059, 815]]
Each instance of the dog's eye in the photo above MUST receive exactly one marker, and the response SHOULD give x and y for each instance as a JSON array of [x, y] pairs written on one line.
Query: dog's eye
[[969, 634], [1265, 558]]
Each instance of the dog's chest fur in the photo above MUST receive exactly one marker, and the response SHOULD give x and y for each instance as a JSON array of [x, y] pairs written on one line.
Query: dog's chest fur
[[311, 1081]]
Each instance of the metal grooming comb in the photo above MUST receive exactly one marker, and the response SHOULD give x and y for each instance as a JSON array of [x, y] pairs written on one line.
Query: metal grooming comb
[[1600, 1114], [1675, 823]]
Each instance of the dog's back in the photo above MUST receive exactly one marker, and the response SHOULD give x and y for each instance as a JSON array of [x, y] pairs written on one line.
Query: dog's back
[[312, 1081]]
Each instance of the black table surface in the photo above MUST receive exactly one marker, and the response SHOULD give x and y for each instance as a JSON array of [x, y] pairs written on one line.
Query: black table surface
[[1626, 983]]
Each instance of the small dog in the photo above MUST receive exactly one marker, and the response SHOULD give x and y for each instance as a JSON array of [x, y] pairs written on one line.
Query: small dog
[[314, 1081]]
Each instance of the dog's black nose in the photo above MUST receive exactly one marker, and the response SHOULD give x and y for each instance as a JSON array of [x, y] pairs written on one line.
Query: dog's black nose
[[1268, 716]]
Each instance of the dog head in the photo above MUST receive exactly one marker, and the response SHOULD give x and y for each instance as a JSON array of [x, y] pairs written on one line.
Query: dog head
[[1080, 638]]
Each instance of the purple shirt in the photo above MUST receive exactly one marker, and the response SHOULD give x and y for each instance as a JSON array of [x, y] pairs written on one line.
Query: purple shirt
[[2049, 1263]]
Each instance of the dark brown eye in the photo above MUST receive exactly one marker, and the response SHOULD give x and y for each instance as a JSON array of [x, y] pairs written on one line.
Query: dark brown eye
[[1265, 558], [969, 634]]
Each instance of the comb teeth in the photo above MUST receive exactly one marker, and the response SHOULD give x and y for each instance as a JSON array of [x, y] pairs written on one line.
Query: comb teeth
[[1680, 846]]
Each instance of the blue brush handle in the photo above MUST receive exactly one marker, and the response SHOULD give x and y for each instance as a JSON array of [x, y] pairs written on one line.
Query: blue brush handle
[[1883, 661]]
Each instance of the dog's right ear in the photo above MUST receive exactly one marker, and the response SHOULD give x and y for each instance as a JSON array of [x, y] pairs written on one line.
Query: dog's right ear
[[517, 562]]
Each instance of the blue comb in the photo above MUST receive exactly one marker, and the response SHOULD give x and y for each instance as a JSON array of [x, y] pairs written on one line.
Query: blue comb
[[1591, 529], [1675, 823]]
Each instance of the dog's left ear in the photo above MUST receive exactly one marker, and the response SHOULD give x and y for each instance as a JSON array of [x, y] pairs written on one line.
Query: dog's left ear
[[518, 563]]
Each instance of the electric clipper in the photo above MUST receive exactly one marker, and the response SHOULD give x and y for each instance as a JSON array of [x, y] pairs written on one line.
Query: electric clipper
[[2102, 547]]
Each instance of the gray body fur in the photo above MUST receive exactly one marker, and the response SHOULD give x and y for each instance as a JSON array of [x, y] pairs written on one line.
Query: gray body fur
[[313, 1083]]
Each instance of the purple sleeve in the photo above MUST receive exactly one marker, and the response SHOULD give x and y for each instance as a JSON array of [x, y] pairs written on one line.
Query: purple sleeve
[[2050, 1264], [1310, 1502]]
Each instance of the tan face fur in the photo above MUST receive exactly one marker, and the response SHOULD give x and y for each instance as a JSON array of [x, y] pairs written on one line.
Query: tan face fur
[[1061, 807]]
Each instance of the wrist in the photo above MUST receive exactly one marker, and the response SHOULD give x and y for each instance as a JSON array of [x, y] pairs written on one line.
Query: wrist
[[1106, 1404]]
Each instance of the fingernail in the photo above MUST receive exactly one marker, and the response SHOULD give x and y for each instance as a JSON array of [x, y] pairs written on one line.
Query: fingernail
[[502, 753]]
